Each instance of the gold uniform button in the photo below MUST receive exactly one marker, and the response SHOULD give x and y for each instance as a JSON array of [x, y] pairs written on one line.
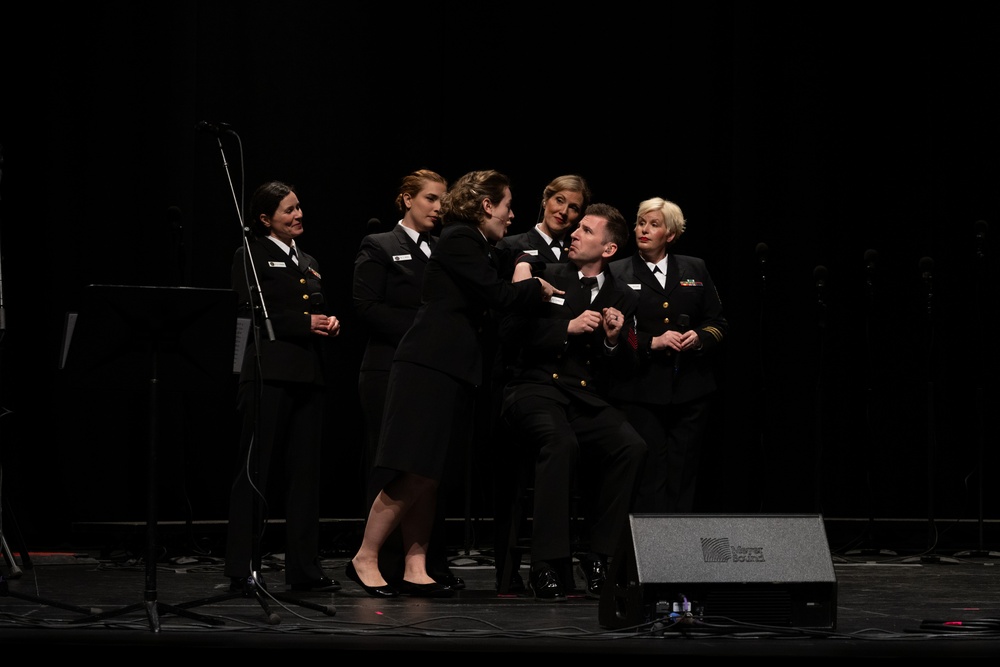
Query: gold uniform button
[[583, 383], [305, 297], [666, 304], [555, 376], [666, 320], [302, 281]]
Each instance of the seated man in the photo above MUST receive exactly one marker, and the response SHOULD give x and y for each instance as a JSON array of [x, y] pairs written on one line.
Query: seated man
[[555, 403]]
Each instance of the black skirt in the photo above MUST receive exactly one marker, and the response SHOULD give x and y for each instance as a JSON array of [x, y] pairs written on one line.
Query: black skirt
[[428, 414]]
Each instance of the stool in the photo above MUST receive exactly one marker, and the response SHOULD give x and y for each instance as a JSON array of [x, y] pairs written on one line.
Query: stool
[[517, 540]]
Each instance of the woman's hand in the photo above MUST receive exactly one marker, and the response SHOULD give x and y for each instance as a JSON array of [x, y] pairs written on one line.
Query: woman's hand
[[325, 325], [548, 290]]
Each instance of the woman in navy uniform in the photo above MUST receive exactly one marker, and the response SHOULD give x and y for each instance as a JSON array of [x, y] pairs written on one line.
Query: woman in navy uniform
[[281, 388], [435, 370], [680, 323], [564, 200], [388, 274]]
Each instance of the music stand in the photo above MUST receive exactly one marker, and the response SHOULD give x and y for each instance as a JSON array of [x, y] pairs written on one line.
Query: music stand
[[165, 337]]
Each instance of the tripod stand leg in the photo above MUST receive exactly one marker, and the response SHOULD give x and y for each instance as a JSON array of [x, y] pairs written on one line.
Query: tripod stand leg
[[252, 589], [272, 618], [15, 571], [5, 591]]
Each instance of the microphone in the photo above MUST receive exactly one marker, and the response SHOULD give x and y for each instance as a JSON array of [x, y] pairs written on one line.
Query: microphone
[[926, 272], [926, 269], [980, 235], [819, 273], [980, 226], [870, 257], [174, 217], [214, 129], [374, 224], [683, 322], [762, 252]]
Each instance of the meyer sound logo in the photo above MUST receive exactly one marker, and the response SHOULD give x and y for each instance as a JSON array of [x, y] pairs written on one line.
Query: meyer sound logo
[[718, 550]]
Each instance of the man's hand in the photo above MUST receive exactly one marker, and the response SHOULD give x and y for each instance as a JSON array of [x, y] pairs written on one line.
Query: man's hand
[[585, 322], [613, 322]]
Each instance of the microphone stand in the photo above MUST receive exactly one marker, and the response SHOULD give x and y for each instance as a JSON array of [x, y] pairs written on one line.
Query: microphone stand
[[870, 356], [762, 252], [980, 274], [254, 586], [929, 557], [820, 274]]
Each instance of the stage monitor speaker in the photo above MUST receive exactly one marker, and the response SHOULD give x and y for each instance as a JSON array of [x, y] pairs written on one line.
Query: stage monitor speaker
[[770, 570]]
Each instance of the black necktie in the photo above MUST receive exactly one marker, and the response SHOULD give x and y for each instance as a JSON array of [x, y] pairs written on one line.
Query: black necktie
[[422, 238], [556, 248], [292, 256]]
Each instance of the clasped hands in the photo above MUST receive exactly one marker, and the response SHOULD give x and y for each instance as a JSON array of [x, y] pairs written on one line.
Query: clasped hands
[[325, 325], [676, 340], [611, 319]]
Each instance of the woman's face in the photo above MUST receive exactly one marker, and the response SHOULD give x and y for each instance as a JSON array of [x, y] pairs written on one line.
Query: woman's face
[[424, 210], [561, 211], [500, 214], [651, 235], [286, 221]]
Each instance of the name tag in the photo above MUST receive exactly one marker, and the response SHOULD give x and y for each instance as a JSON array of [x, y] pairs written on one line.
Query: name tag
[[558, 300], [401, 258], [533, 253], [277, 265], [635, 286]]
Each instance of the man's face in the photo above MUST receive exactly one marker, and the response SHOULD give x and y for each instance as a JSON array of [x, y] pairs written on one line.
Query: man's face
[[588, 243]]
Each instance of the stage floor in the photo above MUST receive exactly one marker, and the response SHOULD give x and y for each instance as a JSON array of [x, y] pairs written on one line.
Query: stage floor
[[80, 602]]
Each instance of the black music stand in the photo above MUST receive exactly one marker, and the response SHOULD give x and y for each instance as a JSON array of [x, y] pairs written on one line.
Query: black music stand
[[165, 337]]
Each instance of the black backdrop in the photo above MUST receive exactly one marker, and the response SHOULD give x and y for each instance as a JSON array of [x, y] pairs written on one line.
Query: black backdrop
[[821, 133]]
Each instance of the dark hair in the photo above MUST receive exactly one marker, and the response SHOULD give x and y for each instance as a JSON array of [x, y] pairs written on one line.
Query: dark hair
[[616, 230], [464, 201], [265, 201]]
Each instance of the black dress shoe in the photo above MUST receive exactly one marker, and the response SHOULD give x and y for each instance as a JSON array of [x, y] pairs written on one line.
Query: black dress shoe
[[321, 585], [595, 573], [545, 584], [448, 579], [431, 590], [386, 591]]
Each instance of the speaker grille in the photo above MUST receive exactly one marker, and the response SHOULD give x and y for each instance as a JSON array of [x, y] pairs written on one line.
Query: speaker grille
[[764, 607]]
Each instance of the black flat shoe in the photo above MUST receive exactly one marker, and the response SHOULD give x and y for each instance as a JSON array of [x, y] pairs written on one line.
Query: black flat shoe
[[448, 579], [321, 585], [386, 591], [431, 590]]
